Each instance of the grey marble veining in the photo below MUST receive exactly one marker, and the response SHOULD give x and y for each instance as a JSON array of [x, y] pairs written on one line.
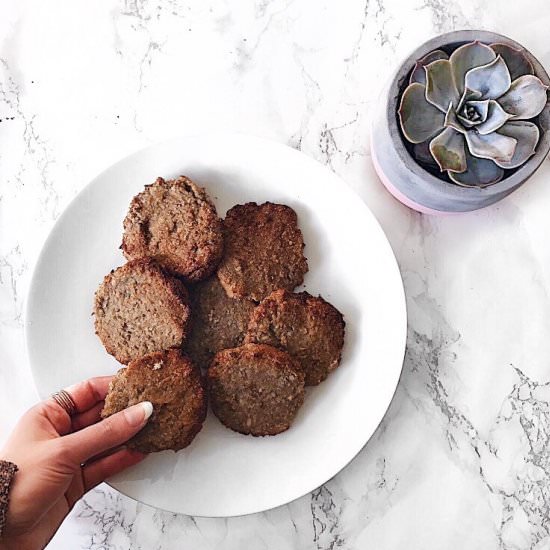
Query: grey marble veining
[[461, 460]]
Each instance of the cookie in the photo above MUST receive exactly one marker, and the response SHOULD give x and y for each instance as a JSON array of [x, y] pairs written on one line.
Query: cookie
[[140, 309], [218, 322], [263, 250], [255, 389], [174, 386], [309, 328], [175, 222]]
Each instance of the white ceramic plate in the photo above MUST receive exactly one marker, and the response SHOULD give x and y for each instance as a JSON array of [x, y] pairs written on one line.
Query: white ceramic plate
[[351, 264]]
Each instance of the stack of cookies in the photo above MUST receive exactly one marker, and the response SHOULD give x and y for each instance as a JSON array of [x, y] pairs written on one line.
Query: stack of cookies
[[205, 309]]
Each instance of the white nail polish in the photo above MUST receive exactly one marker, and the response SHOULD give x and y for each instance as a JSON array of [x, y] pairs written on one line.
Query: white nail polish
[[147, 408]]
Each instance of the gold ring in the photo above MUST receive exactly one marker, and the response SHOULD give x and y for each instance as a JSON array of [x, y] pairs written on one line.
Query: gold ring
[[65, 401]]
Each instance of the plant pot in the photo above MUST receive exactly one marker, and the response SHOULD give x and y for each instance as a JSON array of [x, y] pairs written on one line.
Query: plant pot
[[410, 182]]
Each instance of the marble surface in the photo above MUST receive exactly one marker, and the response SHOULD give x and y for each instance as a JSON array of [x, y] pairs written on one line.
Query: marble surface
[[461, 460]]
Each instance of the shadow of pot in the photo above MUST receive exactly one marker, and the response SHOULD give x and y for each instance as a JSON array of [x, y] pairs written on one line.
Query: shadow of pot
[[414, 185]]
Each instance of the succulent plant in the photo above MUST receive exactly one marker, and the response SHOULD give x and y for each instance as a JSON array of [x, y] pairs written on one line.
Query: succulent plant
[[468, 112]]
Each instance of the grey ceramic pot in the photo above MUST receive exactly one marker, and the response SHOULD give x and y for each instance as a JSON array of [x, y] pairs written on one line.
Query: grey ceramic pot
[[415, 186]]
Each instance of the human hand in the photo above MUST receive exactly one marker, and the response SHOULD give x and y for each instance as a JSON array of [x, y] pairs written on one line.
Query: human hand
[[62, 457]]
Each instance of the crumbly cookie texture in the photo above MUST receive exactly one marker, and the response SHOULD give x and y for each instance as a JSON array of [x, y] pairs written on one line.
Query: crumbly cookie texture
[[218, 321], [263, 250], [308, 327], [255, 389], [174, 386], [175, 222], [140, 309]]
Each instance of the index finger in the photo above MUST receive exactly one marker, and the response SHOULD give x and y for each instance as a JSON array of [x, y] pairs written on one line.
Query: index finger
[[88, 393]]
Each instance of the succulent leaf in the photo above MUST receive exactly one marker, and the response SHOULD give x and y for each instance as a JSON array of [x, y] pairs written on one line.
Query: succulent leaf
[[481, 108], [418, 73], [465, 122], [516, 60], [423, 154], [491, 80], [452, 121], [496, 117], [526, 97], [480, 173], [493, 146], [420, 120], [527, 136], [440, 86], [467, 57], [467, 96], [448, 151]]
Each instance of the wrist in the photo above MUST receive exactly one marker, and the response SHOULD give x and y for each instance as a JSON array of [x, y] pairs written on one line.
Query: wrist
[[7, 473]]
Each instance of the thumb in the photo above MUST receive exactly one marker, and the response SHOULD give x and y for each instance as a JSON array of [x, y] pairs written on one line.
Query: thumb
[[110, 432]]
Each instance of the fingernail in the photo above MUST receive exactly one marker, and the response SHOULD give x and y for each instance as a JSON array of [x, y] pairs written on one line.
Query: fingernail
[[138, 414]]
